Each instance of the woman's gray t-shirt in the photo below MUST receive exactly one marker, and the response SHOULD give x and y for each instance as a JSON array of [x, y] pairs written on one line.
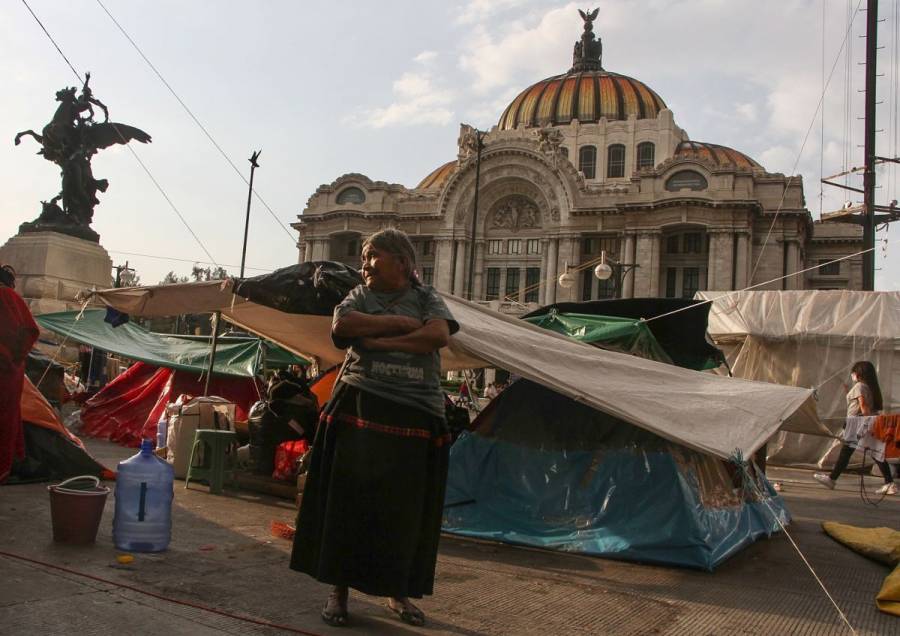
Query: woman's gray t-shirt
[[408, 378]]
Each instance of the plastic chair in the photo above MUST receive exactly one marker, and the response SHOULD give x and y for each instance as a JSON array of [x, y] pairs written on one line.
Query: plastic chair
[[219, 449]]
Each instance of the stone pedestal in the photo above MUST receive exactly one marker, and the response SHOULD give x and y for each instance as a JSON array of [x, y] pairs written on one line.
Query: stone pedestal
[[51, 268]]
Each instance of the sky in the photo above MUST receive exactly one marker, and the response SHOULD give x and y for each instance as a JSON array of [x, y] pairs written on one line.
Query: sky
[[380, 88]]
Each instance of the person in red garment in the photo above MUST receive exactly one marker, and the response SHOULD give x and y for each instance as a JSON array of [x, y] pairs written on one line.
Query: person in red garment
[[18, 333]]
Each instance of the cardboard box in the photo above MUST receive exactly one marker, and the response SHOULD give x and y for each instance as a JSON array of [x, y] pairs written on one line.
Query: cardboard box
[[200, 413]]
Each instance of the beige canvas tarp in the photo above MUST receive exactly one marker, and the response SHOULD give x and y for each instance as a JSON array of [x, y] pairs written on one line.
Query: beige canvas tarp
[[703, 411], [809, 339]]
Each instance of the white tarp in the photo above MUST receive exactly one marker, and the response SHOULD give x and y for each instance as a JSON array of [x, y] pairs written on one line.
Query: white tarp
[[809, 339], [706, 412]]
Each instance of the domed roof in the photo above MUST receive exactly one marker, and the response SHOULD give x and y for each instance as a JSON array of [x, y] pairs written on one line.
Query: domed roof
[[719, 155], [586, 93], [438, 177], [586, 96]]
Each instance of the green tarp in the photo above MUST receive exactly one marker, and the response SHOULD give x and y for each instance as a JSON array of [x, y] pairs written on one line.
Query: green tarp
[[609, 332], [234, 356]]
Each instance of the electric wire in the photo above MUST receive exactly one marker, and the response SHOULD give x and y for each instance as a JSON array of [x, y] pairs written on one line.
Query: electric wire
[[197, 121], [189, 260], [812, 123], [127, 145]]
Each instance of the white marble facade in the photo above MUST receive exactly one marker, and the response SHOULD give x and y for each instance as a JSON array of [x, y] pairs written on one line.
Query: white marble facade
[[691, 215]]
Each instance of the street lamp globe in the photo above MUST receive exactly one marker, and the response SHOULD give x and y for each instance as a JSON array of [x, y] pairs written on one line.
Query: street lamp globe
[[603, 271], [566, 280]]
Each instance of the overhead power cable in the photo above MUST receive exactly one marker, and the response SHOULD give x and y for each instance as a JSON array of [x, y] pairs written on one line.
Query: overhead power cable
[[197, 121], [127, 145], [812, 124]]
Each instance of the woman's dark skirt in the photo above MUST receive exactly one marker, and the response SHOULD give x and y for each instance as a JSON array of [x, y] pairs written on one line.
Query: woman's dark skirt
[[371, 512]]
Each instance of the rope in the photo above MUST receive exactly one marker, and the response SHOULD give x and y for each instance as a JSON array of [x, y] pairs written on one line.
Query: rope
[[774, 280], [168, 599], [61, 345], [812, 123], [197, 121], [742, 465]]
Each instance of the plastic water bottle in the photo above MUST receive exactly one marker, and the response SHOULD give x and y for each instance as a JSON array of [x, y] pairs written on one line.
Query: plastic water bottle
[[162, 431], [144, 492]]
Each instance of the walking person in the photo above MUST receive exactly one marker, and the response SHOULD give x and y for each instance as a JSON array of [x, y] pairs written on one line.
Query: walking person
[[371, 511], [863, 398], [18, 333]]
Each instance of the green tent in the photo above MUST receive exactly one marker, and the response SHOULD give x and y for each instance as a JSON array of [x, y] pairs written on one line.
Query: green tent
[[234, 356], [626, 335]]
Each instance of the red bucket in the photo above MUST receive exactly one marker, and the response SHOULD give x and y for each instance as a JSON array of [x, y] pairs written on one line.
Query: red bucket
[[76, 511]]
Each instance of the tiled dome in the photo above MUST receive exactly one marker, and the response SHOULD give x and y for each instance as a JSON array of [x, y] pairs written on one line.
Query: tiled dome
[[586, 96], [719, 155], [438, 177]]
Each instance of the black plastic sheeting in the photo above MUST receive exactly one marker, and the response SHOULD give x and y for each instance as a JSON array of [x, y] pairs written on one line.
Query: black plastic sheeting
[[682, 335], [313, 287], [51, 456]]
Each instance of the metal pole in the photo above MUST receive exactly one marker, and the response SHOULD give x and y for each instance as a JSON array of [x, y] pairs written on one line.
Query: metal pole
[[212, 352], [253, 167], [869, 174], [478, 136]]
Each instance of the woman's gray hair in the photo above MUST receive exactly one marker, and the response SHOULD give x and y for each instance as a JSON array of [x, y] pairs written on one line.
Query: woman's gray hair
[[396, 242]]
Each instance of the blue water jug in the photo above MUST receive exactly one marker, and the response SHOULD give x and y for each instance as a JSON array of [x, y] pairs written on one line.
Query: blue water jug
[[144, 492]]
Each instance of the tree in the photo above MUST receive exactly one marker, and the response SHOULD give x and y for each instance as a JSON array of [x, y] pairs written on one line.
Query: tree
[[208, 273], [172, 278]]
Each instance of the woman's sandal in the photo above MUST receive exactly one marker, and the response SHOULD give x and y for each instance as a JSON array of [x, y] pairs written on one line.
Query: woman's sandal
[[408, 613], [334, 613]]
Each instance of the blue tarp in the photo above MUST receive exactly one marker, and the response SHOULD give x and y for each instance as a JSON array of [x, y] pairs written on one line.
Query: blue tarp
[[540, 469]]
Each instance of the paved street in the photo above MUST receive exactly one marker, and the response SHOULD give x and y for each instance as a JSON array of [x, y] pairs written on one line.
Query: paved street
[[223, 556]]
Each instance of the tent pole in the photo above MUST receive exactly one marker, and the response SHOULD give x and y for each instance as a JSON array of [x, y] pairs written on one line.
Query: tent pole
[[212, 352]]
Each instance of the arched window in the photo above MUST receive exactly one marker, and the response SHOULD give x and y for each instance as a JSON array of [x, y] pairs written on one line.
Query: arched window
[[587, 161], [615, 161], [686, 179], [646, 152], [351, 195]]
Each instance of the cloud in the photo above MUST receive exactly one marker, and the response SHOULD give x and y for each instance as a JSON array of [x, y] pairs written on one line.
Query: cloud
[[480, 10], [425, 57], [417, 101], [522, 53]]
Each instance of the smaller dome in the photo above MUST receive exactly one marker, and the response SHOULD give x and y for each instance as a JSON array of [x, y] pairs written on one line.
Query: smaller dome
[[438, 177], [721, 156]]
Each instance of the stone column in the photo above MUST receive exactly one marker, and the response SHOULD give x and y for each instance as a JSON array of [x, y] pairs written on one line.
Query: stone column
[[646, 277], [792, 264], [443, 263], [627, 258], [742, 263], [301, 251], [478, 279], [459, 275], [721, 259], [552, 262], [326, 249], [574, 252], [542, 290]]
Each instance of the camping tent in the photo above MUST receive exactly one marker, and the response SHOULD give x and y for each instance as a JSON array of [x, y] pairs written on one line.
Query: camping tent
[[51, 450], [697, 410], [678, 326], [234, 356], [127, 409], [809, 339], [541, 469]]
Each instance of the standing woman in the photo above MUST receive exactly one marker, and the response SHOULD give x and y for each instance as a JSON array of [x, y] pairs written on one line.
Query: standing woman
[[864, 398], [18, 333], [371, 513]]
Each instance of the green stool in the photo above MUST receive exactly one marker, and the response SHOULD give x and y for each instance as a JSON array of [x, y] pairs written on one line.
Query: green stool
[[219, 458]]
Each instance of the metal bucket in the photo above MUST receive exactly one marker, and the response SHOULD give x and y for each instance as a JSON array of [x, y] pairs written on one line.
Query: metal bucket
[[76, 510]]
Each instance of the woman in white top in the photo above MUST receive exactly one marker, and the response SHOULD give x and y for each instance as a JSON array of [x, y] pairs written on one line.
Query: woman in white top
[[863, 398]]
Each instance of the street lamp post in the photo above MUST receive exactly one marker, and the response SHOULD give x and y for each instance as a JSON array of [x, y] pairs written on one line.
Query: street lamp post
[[606, 269], [253, 166]]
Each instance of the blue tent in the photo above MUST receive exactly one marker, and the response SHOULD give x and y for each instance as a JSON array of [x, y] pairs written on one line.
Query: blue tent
[[543, 470]]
